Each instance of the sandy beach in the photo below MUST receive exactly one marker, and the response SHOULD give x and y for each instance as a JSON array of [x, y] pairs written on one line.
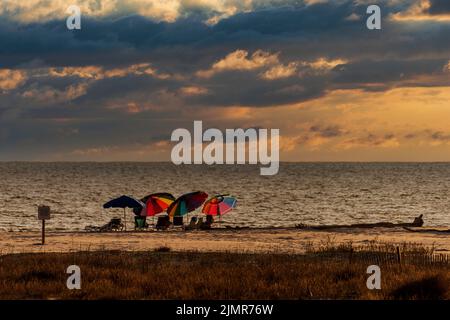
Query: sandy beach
[[268, 240]]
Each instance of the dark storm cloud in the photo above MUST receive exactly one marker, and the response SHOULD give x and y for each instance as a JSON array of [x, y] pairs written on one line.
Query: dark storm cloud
[[249, 89], [387, 71], [28, 139], [298, 32], [188, 42], [290, 20], [439, 7]]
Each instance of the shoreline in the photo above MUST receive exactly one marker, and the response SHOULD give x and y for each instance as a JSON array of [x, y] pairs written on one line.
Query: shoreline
[[257, 240]]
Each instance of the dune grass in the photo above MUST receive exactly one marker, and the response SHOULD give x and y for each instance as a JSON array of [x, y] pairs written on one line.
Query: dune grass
[[322, 273]]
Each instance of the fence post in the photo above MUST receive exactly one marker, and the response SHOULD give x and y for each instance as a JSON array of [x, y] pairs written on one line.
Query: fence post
[[43, 231], [399, 257]]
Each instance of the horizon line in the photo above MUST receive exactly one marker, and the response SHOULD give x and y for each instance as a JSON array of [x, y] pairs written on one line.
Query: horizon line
[[169, 162]]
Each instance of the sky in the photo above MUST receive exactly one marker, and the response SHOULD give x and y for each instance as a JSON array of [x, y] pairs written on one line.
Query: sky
[[139, 69]]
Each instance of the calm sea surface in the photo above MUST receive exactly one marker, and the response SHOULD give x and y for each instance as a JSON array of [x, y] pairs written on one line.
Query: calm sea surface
[[312, 193]]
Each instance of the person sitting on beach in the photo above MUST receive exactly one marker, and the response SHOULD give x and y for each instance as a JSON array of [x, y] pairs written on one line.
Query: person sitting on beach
[[418, 221], [192, 225], [208, 223]]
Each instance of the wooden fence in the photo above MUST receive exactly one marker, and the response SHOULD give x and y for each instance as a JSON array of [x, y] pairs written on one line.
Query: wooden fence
[[395, 257]]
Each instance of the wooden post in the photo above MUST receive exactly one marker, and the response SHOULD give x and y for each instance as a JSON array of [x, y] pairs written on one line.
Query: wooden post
[[43, 214], [125, 218], [43, 231], [399, 257]]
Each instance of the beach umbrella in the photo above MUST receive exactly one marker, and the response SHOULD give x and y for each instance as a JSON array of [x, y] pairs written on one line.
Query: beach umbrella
[[124, 202], [219, 205], [186, 203], [156, 203]]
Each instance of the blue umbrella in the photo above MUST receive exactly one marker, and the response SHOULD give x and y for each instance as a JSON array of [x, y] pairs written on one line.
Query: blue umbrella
[[124, 202]]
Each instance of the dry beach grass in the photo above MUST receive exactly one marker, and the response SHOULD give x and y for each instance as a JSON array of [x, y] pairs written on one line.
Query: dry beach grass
[[325, 272]]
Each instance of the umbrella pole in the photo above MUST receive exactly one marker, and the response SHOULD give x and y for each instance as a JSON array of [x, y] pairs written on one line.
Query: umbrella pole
[[125, 219]]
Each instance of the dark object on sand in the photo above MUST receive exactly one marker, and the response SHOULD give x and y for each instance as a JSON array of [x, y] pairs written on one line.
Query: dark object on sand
[[114, 225], [418, 222], [236, 227], [428, 230], [163, 223]]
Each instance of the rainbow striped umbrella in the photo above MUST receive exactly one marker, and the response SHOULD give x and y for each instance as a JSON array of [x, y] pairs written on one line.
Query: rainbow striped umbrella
[[187, 203], [156, 203], [219, 205]]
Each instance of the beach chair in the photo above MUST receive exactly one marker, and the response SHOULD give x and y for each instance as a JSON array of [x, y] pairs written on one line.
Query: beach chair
[[163, 223], [140, 223], [114, 225], [178, 221], [92, 228]]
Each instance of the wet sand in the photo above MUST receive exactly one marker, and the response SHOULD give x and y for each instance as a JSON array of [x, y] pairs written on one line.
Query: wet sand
[[222, 240]]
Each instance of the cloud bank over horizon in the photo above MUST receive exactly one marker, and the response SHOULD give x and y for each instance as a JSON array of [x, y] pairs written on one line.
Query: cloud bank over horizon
[[139, 69]]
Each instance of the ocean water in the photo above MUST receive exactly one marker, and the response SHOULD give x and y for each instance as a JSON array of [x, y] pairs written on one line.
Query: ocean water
[[311, 193]]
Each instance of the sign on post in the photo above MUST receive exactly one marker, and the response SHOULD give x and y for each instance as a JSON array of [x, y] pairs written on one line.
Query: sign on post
[[43, 214]]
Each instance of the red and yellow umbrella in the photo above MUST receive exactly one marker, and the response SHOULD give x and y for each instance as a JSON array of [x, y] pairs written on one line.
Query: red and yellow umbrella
[[156, 203]]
